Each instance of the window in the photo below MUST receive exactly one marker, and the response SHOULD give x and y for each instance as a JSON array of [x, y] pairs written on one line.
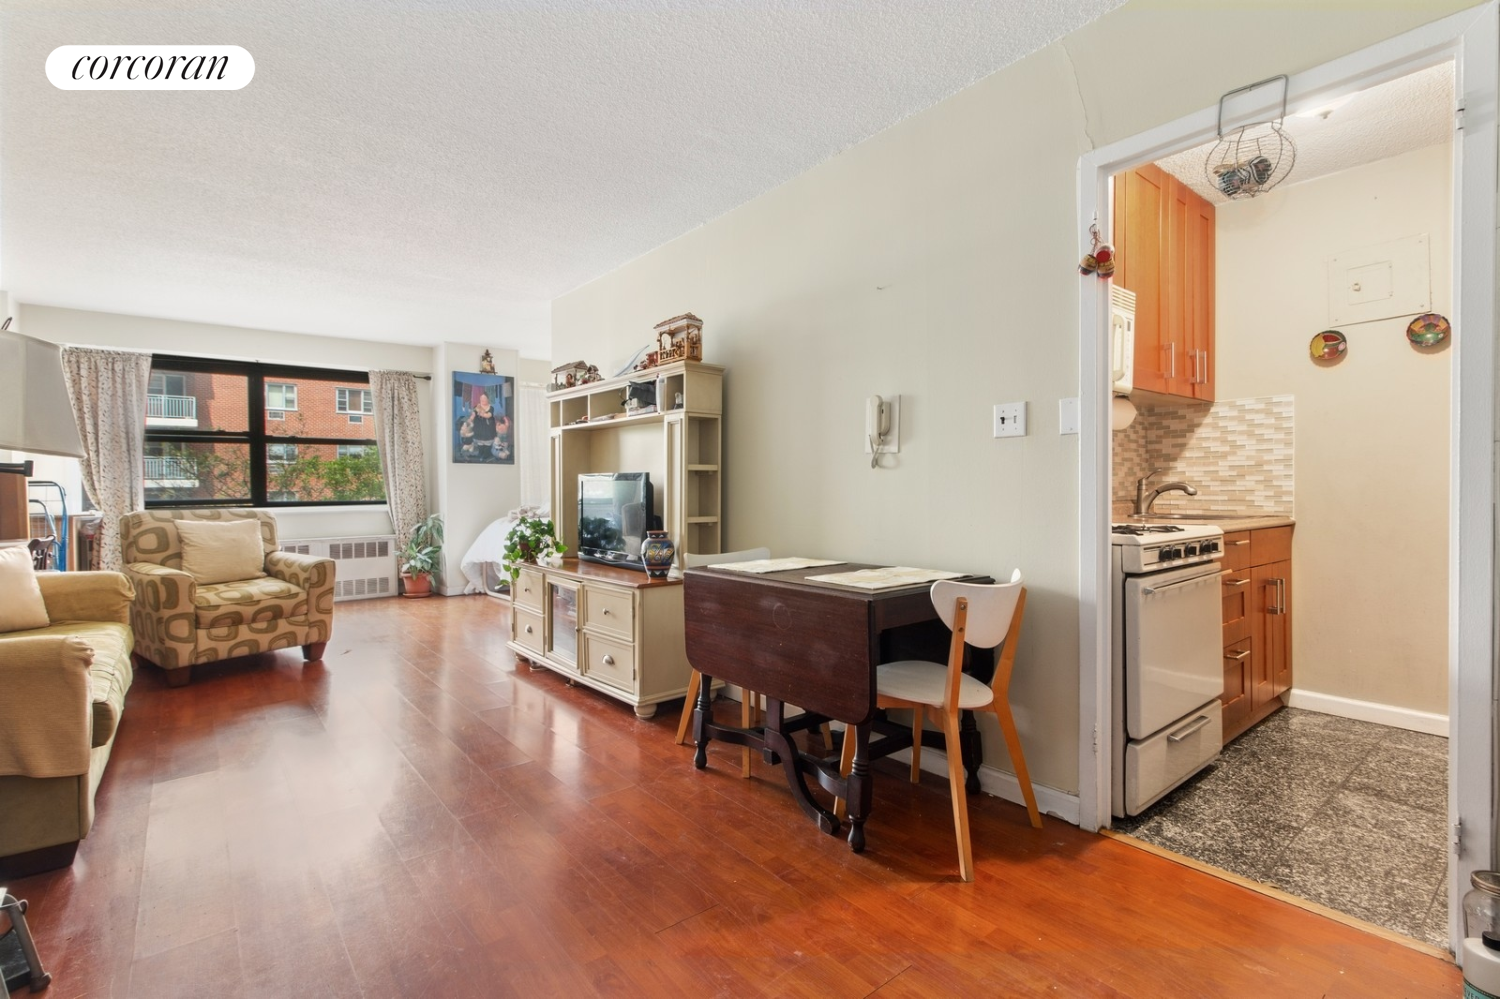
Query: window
[[280, 395], [354, 401], [291, 454], [167, 383]]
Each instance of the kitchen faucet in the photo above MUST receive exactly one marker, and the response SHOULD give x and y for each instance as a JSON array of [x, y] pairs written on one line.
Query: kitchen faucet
[[1143, 499]]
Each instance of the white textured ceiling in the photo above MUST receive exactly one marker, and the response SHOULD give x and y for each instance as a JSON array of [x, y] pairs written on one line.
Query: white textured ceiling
[[1409, 113], [425, 171]]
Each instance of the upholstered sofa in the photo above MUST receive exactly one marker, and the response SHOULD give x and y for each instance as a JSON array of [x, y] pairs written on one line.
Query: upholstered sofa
[[62, 691], [180, 622]]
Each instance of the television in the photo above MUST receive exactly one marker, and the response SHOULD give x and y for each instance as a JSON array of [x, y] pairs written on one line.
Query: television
[[615, 509]]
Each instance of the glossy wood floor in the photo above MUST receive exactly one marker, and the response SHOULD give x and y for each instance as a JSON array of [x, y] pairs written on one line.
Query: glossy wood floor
[[416, 816]]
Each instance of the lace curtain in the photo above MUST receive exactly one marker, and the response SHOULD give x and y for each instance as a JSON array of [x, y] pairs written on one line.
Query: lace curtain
[[533, 444], [107, 389], [398, 437]]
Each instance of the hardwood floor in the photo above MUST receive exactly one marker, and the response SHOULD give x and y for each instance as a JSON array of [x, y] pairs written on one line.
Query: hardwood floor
[[417, 816]]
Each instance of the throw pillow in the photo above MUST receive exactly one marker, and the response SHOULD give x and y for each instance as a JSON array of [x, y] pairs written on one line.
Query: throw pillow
[[21, 605], [221, 551]]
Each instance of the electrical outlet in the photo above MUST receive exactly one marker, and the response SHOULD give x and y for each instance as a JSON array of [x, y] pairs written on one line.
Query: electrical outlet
[[1010, 419]]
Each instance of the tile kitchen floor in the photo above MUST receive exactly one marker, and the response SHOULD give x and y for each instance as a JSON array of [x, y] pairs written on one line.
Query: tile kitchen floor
[[1345, 813]]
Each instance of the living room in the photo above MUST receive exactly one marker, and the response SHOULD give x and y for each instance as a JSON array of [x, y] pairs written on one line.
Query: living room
[[856, 202]]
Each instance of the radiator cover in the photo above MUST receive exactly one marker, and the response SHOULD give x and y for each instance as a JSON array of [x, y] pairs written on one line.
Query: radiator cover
[[366, 566]]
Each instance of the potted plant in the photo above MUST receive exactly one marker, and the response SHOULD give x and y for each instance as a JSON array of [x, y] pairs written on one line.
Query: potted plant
[[529, 542], [419, 558]]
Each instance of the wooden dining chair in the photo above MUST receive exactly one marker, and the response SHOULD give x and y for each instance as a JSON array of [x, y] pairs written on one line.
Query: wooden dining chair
[[749, 702], [984, 616]]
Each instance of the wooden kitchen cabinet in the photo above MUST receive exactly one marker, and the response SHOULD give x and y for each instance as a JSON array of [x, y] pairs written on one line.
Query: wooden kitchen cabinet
[[1256, 582], [1164, 252]]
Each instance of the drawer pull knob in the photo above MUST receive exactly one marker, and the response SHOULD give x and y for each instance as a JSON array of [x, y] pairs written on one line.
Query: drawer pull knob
[[528, 629], [606, 612], [609, 660]]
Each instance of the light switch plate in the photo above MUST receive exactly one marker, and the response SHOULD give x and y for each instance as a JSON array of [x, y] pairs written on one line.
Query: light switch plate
[[1010, 419], [1067, 416]]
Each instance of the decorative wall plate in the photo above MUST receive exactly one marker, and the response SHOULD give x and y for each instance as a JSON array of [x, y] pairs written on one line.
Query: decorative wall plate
[[1428, 330], [1328, 345]]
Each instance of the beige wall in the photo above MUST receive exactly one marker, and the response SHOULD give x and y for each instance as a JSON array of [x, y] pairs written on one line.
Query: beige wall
[[936, 260], [1370, 592]]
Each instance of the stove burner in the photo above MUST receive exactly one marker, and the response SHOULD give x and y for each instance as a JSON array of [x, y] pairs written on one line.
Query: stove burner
[[1136, 530]]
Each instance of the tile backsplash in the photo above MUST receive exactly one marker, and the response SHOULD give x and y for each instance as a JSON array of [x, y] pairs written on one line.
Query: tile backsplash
[[1237, 453]]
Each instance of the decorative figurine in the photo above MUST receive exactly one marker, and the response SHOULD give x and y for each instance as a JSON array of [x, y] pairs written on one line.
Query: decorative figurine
[[679, 339], [487, 363], [568, 375]]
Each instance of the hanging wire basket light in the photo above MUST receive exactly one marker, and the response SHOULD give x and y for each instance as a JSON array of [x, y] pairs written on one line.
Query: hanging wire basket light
[[1249, 160]]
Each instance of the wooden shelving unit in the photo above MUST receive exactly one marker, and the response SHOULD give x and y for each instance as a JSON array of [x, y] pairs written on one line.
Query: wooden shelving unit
[[679, 446]]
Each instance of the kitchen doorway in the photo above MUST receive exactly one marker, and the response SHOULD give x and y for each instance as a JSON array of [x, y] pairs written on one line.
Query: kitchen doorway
[[1468, 43]]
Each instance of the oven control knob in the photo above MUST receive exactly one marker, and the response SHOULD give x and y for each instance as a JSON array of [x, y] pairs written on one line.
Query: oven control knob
[[1191, 550], [1209, 547], [1171, 553]]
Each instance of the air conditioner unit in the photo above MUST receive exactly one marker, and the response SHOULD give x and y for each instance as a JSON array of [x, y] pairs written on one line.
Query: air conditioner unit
[[366, 566]]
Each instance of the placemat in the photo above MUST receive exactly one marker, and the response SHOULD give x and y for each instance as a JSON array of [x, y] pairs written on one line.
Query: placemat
[[776, 564], [887, 578]]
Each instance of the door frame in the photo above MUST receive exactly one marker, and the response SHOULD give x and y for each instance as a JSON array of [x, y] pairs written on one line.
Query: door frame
[[1471, 40]]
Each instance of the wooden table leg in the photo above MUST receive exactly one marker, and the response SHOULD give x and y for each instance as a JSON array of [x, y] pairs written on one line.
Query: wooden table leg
[[859, 786], [795, 767], [702, 716], [970, 749]]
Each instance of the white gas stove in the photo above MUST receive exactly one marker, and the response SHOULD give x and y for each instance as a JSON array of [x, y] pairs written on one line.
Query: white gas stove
[[1167, 649], [1150, 547]]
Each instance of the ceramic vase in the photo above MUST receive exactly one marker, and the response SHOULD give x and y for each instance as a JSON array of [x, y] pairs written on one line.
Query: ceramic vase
[[657, 551]]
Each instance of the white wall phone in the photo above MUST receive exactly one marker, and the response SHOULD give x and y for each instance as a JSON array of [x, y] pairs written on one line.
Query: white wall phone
[[882, 427]]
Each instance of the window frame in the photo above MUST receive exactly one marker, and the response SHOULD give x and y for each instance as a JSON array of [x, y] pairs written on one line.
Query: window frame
[[256, 375]]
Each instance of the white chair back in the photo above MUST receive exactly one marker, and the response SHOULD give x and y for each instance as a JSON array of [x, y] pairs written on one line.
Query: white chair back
[[748, 555], [991, 607]]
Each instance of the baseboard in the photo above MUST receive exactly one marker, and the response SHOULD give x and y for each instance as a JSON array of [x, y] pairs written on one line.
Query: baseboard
[[1381, 714], [993, 780]]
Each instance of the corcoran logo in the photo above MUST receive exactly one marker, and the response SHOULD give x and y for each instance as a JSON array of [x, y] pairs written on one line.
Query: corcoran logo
[[150, 67]]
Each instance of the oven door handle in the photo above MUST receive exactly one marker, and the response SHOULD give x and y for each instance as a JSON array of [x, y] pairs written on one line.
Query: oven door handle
[[1188, 729]]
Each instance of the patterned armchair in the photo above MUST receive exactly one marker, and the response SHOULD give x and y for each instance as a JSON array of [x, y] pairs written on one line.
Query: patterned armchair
[[179, 622]]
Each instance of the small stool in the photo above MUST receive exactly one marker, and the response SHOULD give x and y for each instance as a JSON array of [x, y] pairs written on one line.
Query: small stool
[[19, 962]]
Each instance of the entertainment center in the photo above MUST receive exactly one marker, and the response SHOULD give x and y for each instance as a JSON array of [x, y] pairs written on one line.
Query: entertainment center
[[608, 626]]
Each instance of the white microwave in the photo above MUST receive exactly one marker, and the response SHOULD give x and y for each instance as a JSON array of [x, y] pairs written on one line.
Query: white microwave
[[1121, 339]]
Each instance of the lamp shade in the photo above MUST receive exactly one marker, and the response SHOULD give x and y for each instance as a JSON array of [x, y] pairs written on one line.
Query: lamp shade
[[35, 414]]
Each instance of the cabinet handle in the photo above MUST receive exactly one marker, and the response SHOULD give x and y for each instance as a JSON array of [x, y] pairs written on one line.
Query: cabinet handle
[[1173, 348], [1238, 655], [1244, 541], [1281, 596], [608, 660], [1188, 729], [1235, 582]]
